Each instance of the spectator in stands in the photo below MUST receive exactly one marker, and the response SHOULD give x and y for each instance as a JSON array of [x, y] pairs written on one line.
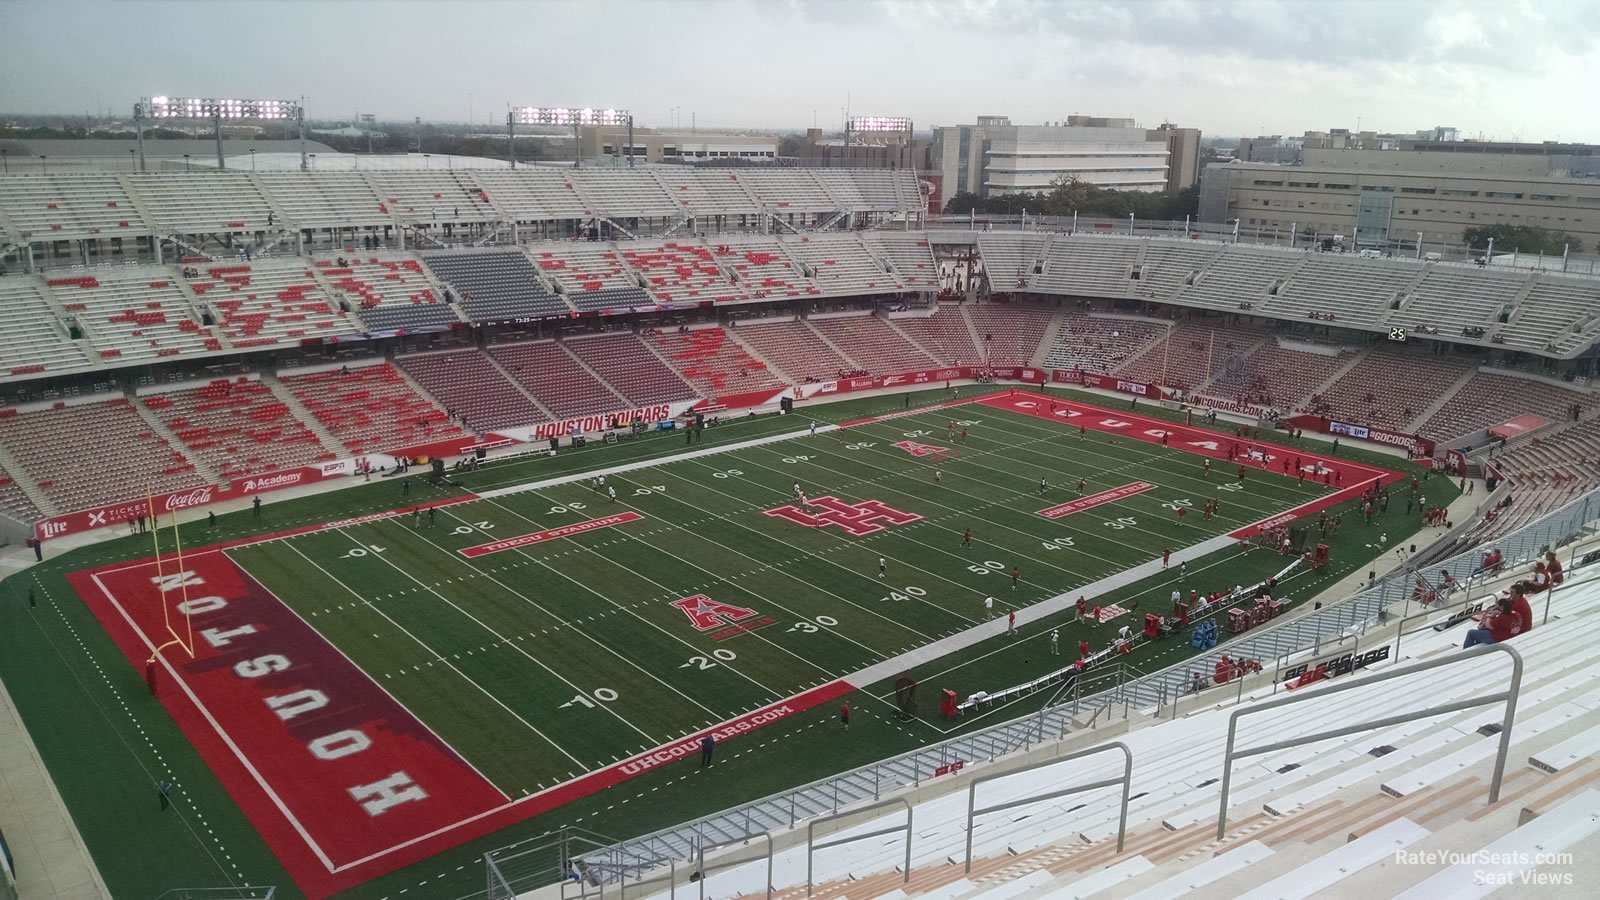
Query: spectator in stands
[[1501, 623]]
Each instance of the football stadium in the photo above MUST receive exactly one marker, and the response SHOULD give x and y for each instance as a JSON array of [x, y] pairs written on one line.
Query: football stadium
[[591, 527]]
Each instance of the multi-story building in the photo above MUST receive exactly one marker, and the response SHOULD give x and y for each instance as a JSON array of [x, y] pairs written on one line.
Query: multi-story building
[[994, 157], [1382, 197], [1183, 154], [650, 145]]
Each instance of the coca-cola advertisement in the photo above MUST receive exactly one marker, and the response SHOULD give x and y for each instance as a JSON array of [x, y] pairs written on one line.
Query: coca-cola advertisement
[[162, 505]]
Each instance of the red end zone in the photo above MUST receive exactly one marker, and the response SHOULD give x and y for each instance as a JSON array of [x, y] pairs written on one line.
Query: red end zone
[[1252, 454], [342, 781]]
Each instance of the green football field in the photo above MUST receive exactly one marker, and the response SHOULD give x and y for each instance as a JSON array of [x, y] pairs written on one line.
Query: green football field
[[691, 600], [538, 663]]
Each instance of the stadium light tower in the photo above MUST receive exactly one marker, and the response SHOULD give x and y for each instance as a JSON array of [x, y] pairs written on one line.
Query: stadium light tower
[[216, 109], [891, 124], [568, 115]]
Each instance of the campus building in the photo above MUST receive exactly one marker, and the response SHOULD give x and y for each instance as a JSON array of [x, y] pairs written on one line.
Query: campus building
[[995, 157], [1390, 196]]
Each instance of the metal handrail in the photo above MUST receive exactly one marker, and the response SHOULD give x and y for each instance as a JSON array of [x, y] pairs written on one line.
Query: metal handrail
[[1168, 686], [811, 835], [1509, 696], [1126, 781]]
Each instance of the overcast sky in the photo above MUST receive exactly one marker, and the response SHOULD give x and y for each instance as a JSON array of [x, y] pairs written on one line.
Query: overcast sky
[[1507, 69]]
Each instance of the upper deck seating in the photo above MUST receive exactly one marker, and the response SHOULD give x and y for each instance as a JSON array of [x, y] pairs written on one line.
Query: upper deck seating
[[1560, 314], [203, 202], [613, 192], [387, 294], [909, 253], [761, 267], [269, 302], [532, 193], [495, 286], [1168, 265], [133, 313], [85, 206], [840, 265], [1348, 291], [325, 199], [784, 191], [1240, 278], [432, 196], [1089, 265], [680, 272], [35, 338], [1010, 260], [591, 274]]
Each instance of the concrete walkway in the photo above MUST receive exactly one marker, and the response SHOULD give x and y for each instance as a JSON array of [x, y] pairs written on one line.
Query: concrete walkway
[[51, 860]]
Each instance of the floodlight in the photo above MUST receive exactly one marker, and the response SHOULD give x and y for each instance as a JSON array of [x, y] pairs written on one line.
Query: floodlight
[[217, 109], [879, 123], [568, 115]]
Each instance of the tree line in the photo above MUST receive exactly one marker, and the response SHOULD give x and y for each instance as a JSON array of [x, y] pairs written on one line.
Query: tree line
[[1069, 195]]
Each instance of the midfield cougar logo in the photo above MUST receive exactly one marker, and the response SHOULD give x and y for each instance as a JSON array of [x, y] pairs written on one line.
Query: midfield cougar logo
[[858, 519], [916, 449], [709, 615]]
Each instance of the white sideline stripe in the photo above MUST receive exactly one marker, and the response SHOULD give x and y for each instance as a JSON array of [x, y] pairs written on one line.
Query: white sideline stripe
[[1043, 609], [1577, 819], [650, 463], [243, 760], [1331, 867], [1213, 869], [1103, 880]]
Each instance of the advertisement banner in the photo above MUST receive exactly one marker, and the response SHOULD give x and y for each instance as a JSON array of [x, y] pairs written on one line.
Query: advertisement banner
[[1066, 376], [176, 501], [596, 422], [1413, 444]]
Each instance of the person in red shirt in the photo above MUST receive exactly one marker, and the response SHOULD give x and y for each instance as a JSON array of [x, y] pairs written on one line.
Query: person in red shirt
[[1519, 605], [1083, 648], [844, 715], [1553, 566], [1181, 511], [1241, 473], [1166, 557], [1502, 623], [1083, 608]]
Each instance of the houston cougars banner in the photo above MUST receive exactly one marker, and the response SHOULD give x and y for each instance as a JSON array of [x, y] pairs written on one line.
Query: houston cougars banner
[[176, 501], [594, 423]]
